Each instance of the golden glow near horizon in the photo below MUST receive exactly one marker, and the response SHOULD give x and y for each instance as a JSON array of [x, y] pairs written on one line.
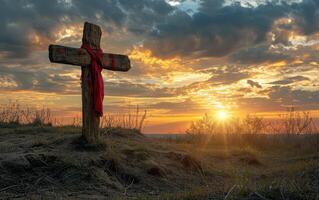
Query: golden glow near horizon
[[222, 115]]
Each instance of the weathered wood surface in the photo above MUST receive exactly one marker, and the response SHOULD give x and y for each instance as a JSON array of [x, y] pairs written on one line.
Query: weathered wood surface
[[77, 56], [91, 35], [90, 120]]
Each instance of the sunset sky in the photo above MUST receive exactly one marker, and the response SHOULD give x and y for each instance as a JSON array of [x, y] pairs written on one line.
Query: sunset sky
[[189, 57]]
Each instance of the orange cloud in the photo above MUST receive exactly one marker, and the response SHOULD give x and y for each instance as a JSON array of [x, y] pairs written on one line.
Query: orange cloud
[[145, 56], [278, 64], [69, 33], [38, 42]]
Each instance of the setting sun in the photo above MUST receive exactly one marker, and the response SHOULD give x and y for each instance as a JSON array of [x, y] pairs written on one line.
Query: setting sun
[[222, 115]]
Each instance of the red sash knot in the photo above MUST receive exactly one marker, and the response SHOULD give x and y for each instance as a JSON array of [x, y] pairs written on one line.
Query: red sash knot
[[97, 79]]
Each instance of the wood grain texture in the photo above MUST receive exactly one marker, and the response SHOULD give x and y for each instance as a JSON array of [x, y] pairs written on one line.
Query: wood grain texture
[[91, 35], [77, 56], [90, 120]]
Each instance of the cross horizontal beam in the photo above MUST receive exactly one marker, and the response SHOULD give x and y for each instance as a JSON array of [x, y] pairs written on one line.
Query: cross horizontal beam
[[76, 56]]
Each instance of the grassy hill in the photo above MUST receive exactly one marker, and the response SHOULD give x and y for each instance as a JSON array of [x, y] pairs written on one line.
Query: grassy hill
[[55, 163]]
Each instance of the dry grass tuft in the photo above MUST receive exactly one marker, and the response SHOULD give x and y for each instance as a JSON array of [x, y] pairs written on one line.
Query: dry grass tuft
[[14, 114], [131, 120]]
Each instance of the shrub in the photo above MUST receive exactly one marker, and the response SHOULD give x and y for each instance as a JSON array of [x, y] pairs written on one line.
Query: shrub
[[294, 122], [206, 125], [253, 124]]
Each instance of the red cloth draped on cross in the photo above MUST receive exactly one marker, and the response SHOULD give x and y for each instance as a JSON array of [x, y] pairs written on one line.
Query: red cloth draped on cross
[[97, 79]]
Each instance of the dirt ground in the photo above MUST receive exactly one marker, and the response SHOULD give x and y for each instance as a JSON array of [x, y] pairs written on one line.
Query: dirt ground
[[56, 163]]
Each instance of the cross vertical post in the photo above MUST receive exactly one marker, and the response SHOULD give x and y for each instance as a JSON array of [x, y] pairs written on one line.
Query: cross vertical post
[[90, 120]]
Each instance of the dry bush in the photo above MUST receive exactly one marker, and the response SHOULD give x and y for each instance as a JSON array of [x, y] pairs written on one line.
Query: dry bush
[[15, 114], [253, 124], [294, 122], [206, 125], [209, 125], [131, 120]]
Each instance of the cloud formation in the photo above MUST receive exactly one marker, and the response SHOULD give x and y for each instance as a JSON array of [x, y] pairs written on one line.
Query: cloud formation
[[27, 23], [214, 30]]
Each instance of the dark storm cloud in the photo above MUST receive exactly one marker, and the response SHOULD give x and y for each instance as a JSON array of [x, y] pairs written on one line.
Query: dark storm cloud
[[143, 14], [20, 19], [307, 16], [290, 80], [36, 80], [286, 94], [214, 30], [217, 30], [258, 54]]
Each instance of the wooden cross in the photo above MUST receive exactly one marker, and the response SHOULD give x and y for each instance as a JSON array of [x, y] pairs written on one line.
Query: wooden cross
[[74, 56]]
